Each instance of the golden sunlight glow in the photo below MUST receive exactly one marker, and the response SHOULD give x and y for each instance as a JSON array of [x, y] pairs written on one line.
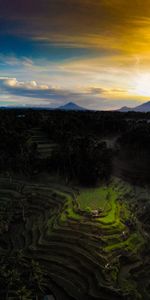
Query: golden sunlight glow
[[142, 84]]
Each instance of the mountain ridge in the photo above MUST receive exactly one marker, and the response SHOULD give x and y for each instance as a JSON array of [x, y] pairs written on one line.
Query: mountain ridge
[[145, 107]]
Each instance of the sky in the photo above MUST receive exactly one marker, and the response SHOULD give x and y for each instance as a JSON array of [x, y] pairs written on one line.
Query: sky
[[95, 53]]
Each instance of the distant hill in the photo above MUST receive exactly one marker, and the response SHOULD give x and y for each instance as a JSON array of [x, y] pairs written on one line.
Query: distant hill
[[71, 106], [145, 107], [125, 109]]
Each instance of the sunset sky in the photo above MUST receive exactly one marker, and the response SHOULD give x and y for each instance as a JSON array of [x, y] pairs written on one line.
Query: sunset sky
[[92, 52]]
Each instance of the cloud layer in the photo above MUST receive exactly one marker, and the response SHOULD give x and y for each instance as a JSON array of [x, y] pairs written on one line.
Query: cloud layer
[[92, 51], [31, 93]]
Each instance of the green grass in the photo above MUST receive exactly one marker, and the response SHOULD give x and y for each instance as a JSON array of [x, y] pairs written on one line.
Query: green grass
[[72, 214], [96, 198], [68, 212], [104, 198], [132, 244], [112, 215]]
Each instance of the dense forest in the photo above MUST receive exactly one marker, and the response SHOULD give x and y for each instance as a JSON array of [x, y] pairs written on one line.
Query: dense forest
[[83, 146]]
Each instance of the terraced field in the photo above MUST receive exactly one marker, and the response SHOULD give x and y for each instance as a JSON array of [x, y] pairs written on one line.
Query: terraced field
[[44, 145], [87, 256]]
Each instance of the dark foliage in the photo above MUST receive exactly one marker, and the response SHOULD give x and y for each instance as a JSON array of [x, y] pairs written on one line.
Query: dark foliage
[[81, 150]]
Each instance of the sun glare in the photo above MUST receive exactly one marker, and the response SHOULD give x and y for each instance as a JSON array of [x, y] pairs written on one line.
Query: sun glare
[[142, 84]]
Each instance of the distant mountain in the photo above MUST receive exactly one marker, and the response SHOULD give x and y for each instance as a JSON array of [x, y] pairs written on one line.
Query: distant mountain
[[125, 109], [145, 107], [71, 106]]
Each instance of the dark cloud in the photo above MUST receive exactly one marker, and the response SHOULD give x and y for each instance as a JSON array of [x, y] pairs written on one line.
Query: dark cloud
[[108, 25], [64, 17], [96, 91]]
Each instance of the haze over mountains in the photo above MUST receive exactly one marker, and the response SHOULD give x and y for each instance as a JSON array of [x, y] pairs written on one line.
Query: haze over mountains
[[71, 106], [145, 107]]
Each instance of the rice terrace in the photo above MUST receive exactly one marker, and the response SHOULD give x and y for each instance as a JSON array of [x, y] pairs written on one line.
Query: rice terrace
[[88, 243], [74, 209]]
